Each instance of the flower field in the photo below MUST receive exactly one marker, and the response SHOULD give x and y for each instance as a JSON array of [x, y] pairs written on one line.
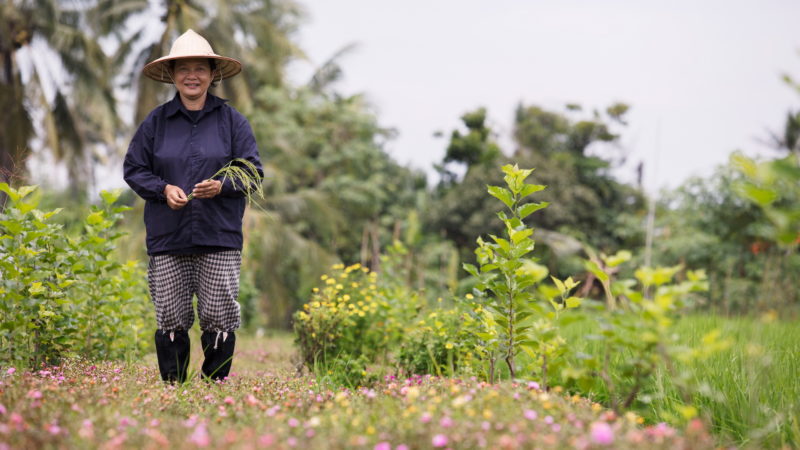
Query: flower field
[[266, 404]]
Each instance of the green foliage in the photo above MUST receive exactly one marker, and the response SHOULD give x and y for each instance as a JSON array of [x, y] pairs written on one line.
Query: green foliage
[[475, 146], [635, 334], [66, 295], [586, 203], [508, 307], [332, 193], [773, 187], [706, 223], [439, 341], [349, 319]]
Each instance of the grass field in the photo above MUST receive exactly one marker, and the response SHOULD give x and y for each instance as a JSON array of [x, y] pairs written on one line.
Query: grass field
[[267, 404], [749, 393]]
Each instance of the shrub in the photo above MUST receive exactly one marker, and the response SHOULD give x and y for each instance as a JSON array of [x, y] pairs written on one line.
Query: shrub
[[65, 295]]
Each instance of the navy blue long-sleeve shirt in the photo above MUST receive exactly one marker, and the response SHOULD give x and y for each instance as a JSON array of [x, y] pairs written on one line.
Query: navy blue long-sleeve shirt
[[173, 147]]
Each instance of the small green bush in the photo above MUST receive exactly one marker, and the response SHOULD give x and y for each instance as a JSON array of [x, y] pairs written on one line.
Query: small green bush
[[62, 294]]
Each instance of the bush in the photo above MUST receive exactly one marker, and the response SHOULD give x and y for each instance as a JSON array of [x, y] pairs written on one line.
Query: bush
[[65, 295]]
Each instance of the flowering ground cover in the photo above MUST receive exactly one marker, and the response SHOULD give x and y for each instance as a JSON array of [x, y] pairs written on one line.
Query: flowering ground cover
[[267, 404]]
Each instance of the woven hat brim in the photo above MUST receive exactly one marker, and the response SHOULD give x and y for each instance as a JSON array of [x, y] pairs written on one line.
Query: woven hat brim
[[159, 69]]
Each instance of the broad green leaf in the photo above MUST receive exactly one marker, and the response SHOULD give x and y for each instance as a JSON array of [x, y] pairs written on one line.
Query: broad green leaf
[[502, 194], [94, 218], [559, 284], [25, 190], [109, 197], [762, 196], [36, 288], [529, 208], [529, 189], [518, 236], [592, 267], [12, 193], [471, 269], [13, 227], [620, 257], [573, 302]]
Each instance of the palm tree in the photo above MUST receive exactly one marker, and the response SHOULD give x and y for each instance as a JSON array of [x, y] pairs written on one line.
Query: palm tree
[[255, 31], [78, 114]]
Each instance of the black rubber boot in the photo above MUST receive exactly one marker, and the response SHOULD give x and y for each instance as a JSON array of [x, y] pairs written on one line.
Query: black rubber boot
[[172, 349], [218, 350]]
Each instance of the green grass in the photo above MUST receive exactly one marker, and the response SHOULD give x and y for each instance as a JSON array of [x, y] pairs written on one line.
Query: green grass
[[749, 393]]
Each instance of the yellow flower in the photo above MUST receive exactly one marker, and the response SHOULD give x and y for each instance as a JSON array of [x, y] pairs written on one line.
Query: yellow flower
[[330, 281], [448, 346], [469, 296], [346, 297], [315, 290], [339, 286], [323, 277]]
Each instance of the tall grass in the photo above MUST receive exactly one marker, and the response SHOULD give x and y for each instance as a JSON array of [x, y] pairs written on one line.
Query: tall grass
[[749, 392]]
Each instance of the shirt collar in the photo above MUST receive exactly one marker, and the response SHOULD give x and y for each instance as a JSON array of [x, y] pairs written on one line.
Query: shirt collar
[[212, 102]]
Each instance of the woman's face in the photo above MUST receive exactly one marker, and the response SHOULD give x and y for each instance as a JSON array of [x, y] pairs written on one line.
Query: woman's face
[[192, 77]]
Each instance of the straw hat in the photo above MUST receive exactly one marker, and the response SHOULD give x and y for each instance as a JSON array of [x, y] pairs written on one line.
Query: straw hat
[[190, 45]]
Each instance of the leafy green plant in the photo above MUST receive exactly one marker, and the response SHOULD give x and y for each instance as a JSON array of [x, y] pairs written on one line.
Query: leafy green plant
[[508, 306], [636, 331], [64, 294], [243, 175]]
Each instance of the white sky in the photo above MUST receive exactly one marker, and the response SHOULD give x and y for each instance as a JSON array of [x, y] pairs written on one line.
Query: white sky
[[702, 76]]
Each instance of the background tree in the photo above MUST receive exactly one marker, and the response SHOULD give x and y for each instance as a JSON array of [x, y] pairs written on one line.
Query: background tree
[[79, 119], [587, 203]]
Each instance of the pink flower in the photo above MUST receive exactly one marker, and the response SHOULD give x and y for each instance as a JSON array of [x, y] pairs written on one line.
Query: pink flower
[[292, 441], [548, 420], [11, 371], [2, 410], [87, 430], [533, 385], [402, 447], [439, 440], [266, 440], [229, 400], [530, 414], [54, 429], [425, 417], [602, 433], [126, 422], [35, 395], [556, 427], [383, 446], [293, 422], [446, 422], [200, 436]]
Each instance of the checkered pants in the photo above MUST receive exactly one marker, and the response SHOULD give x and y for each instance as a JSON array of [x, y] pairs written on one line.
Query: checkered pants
[[213, 277]]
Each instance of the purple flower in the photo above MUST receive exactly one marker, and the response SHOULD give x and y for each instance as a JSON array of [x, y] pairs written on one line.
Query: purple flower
[[11, 371], [602, 433]]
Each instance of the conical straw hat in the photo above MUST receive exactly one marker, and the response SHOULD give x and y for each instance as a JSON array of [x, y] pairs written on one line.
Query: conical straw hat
[[190, 45]]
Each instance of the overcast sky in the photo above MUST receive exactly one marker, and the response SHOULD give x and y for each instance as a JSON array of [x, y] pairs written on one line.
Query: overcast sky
[[702, 77]]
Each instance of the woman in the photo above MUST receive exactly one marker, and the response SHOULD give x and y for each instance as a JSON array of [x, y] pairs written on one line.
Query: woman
[[194, 246]]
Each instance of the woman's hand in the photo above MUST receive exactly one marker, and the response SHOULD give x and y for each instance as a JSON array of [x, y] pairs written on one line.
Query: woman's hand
[[176, 198], [207, 189]]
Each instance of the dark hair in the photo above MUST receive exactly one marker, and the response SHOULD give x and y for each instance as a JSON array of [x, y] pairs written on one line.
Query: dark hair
[[212, 63]]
